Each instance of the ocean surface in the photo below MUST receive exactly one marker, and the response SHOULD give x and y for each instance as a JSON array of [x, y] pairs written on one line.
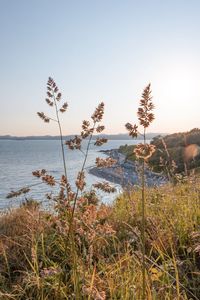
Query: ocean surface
[[18, 158]]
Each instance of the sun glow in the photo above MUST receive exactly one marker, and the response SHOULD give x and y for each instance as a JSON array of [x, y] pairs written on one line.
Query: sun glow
[[177, 95], [178, 83]]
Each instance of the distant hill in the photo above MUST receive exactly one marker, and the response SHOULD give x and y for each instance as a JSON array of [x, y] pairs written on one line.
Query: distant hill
[[121, 136], [174, 147], [171, 148]]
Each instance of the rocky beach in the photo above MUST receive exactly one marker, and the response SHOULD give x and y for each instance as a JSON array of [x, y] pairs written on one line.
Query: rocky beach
[[125, 172]]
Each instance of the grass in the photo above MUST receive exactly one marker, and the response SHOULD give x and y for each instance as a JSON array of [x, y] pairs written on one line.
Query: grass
[[35, 264], [145, 245]]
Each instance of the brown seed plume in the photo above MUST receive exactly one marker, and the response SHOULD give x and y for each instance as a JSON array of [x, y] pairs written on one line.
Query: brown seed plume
[[100, 141], [144, 113], [98, 113], [105, 163], [105, 187], [80, 182], [144, 151]]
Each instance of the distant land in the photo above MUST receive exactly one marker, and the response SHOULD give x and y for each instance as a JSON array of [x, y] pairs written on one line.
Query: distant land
[[121, 136]]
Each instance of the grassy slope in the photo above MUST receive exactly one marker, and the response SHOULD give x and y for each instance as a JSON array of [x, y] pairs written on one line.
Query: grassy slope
[[36, 262]]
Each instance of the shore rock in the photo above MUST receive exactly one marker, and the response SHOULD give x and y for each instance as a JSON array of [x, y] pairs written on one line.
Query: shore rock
[[125, 172]]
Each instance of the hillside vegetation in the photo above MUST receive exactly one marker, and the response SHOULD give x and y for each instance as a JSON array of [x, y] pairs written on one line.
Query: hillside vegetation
[[170, 149]]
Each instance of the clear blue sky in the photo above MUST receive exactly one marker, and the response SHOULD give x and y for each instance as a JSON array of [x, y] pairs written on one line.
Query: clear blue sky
[[99, 50]]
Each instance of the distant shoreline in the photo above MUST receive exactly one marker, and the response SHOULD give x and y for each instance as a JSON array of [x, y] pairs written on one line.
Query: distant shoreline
[[49, 137]]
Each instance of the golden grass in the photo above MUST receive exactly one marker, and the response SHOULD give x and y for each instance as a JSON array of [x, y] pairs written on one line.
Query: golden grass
[[35, 263]]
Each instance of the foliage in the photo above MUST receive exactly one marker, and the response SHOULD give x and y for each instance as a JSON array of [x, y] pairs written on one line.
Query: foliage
[[171, 148]]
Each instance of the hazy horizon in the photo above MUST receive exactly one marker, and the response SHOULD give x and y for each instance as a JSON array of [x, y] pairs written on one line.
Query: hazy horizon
[[99, 51], [76, 133]]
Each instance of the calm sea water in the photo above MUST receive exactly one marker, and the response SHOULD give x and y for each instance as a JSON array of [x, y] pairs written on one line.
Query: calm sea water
[[19, 158]]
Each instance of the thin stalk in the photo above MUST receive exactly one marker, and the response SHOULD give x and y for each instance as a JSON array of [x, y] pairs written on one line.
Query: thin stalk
[[143, 226], [83, 167], [75, 267], [61, 139], [70, 231]]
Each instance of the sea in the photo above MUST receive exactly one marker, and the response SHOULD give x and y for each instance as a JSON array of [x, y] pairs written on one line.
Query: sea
[[19, 158]]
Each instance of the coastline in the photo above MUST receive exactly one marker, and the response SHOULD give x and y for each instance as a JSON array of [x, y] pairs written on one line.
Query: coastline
[[125, 172]]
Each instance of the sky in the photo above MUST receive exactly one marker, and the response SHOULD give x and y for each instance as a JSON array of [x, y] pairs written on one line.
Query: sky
[[99, 50]]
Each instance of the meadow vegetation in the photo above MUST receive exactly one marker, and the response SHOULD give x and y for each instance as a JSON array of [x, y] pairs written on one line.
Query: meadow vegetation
[[144, 246], [37, 262]]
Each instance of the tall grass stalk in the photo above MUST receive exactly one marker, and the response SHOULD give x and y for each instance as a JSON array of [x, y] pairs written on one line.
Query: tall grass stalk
[[82, 169], [143, 225], [143, 151], [61, 136], [55, 97]]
